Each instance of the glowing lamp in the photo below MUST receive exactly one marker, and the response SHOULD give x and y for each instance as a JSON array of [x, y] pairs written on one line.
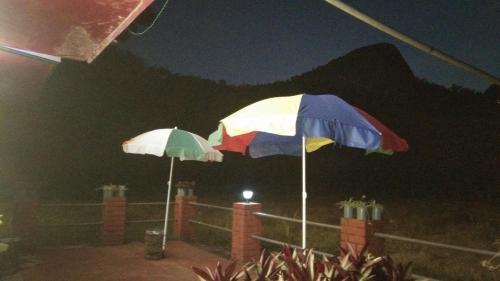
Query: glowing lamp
[[247, 194]]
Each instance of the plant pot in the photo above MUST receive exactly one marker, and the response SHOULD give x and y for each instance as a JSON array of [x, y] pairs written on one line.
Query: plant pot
[[361, 213], [121, 192], [107, 193], [377, 214], [180, 192], [348, 212], [190, 192]]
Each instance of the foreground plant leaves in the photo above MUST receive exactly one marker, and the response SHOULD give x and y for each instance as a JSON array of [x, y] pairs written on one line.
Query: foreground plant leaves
[[303, 265]]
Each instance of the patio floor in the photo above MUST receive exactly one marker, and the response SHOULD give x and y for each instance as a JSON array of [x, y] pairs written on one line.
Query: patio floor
[[124, 263]]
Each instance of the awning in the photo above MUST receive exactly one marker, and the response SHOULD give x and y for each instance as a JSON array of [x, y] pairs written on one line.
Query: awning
[[73, 29]]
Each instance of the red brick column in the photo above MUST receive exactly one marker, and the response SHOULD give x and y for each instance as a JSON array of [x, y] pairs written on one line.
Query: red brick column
[[113, 220], [358, 233], [184, 212], [245, 225]]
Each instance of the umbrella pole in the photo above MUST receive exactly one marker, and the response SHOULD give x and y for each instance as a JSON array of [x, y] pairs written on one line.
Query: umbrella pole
[[304, 193], [167, 205]]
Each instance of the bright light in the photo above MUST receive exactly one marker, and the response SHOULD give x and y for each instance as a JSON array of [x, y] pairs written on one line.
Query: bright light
[[247, 194]]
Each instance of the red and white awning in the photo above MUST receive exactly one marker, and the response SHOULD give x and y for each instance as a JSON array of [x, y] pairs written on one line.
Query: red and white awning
[[72, 29]]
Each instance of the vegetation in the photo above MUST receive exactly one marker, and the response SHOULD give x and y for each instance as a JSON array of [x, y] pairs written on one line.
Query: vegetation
[[492, 264], [66, 140], [303, 265], [85, 112], [457, 223]]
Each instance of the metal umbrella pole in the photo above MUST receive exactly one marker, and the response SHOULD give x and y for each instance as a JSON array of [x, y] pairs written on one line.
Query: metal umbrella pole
[[304, 193], [167, 205]]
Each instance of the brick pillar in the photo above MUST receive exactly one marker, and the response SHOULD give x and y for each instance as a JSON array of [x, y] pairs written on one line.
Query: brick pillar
[[358, 233], [245, 225], [113, 220], [184, 212]]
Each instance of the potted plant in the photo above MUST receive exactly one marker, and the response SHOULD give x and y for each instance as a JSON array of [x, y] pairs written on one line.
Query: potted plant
[[107, 190], [121, 190], [180, 188], [110, 190], [361, 208], [376, 210], [185, 188], [190, 185], [348, 206]]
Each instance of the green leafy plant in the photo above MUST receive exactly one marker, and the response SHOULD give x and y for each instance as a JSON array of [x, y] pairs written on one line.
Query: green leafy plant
[[303, 265], [346, 203], [362, 203], [185, 184], [373, 204], [376, 210], [490, 264], [218, 274], [267, 267], [112, 187]]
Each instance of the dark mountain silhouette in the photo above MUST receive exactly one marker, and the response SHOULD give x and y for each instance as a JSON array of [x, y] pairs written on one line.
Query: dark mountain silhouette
[[70, 137], [376, 67], [493, 93]]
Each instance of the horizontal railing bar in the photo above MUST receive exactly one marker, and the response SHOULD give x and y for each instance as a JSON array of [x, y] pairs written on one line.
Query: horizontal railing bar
[[277, 242], [149, 203], [210, 206], [260, 214], [383, 235], [147, 221], [71, 204], [435, 244], [70, 224], [333, 226], [211, 226]]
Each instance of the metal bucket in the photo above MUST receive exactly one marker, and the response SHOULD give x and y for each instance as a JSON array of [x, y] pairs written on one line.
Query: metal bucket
[[153, 240]]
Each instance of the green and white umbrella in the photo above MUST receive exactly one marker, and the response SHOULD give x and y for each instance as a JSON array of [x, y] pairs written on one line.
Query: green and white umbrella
[[174, 143]]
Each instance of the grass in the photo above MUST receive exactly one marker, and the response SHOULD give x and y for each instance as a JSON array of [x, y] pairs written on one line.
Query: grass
[[469, 224]]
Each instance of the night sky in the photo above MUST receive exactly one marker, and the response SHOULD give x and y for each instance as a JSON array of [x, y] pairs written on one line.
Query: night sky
[[263, 41]]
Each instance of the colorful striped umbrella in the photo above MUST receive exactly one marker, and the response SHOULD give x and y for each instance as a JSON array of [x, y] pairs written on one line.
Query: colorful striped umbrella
[[174, 143], [295, 124]]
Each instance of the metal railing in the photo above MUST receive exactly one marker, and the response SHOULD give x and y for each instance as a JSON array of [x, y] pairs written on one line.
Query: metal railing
[[66, 205], [149, 221], [265, 239], [337, 227], [435, 244], [211, 226], [100, 205], [210, 206], [313, 223], [70, 224], [281, 243], [71, 204], [149, 203]]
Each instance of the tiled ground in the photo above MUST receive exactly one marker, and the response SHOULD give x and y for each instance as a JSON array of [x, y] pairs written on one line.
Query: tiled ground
[[113, 263]]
